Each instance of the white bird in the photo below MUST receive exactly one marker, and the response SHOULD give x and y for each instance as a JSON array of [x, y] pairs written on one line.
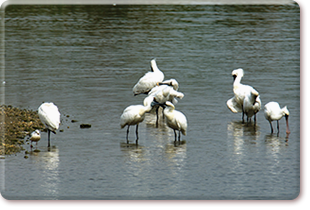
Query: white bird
[[273, 112], [161, 94], [149, 80], [175, 120], [133, 115], [35, 136], [50, 117], [251, 105], [235, 104]]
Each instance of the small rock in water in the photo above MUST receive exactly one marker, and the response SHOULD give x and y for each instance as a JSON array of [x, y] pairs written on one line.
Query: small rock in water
[[85, 125], [73, 121]]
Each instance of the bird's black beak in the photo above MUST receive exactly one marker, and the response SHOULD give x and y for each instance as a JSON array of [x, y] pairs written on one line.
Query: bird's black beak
[[234, 76]]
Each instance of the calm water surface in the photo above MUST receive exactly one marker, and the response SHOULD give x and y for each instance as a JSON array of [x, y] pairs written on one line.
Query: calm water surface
[[86, 59]]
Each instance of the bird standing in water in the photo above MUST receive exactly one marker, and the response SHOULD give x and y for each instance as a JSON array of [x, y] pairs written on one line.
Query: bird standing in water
[[273, 112], [50, 117]]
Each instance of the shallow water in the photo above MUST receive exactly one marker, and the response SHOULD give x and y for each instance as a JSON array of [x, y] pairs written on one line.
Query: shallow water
[[86, 59]]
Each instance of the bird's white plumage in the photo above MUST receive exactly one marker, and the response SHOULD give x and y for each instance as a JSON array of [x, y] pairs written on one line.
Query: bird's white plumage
[[175, 119], [162, 94], [274, 112], [171, 82], [251, 104], [243, 95], [149, 80], [35, 136], [233, 105], [133, 115], [49, 116]]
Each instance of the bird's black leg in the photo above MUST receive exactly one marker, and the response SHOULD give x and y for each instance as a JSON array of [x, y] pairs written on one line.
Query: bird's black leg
[[255, 119], [175, 135], [242, 117], [137, 134], [157, 117], [179, 135], [278, 125], [127, 134], [163, 114], [271, 126], [48, 137]]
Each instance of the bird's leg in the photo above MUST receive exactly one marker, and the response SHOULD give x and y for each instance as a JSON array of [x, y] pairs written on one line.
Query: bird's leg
[[48, 137], [242, 117], [278, 125], [175, 135], [179, 135], [271, 126], [137, 134], [157, 117], [127, 134], [163, 115], [255, 119]]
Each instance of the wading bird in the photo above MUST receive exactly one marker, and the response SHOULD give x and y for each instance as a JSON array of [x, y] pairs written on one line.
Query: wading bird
[[273, 112], [133, 115], [161, 94], [50, 117], [175, 120], [149, 80], [35, 136], [235, 104]]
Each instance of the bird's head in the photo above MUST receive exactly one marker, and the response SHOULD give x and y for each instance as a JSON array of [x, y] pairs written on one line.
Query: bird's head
[[237, 73], [286, 112]]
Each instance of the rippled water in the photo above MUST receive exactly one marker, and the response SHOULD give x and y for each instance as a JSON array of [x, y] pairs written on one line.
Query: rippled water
[[86, 59]]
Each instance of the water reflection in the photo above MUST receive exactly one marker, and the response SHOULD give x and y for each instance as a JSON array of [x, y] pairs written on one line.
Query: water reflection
[[134, 152], [243, 133], [47, 163], [274, 142]]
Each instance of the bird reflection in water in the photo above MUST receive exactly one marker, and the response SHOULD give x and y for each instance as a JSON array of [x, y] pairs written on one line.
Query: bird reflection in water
[[242, 134]]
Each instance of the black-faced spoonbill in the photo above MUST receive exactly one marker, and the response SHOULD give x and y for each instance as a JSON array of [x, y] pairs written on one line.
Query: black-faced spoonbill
[[149, 80], [35, 136], [133, 115], [175, 120], [50, 117], [273, 112], [161, 94], [235, 104]]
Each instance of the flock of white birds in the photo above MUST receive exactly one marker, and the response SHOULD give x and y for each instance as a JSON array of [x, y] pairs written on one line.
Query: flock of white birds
[[247, 100], [159, 94], [164, 94]]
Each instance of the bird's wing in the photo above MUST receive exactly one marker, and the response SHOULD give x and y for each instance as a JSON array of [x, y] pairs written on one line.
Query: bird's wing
[[50, 116], [145, 84], [181, 122], [233, 105]]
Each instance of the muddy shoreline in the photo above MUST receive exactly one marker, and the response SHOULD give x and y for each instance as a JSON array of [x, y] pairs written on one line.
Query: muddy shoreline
[[15, 125]]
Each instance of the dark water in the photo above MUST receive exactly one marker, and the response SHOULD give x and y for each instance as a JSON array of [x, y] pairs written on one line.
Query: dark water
[[86, 59]]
